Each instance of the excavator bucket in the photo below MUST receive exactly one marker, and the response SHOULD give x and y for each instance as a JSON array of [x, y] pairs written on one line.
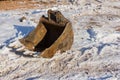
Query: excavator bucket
[[53, 33]]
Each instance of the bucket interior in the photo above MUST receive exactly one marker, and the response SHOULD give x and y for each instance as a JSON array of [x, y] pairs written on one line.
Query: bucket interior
[[53, 33]]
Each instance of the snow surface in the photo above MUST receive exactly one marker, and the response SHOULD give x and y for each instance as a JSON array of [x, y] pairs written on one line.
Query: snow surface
[[95, 52]]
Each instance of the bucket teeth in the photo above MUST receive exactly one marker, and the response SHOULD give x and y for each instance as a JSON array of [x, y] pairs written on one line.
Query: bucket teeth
[[53, 33]]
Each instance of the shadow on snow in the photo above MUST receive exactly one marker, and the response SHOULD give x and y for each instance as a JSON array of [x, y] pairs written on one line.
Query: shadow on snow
[[21, 30]]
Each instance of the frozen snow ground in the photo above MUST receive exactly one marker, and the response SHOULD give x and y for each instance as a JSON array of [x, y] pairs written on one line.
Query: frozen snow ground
[[94, 55]]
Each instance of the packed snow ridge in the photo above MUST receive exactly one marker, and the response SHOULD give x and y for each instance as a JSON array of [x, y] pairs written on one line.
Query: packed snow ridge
[[95, 52]]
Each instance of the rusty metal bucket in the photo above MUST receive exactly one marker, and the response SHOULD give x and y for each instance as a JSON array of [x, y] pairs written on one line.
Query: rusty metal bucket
[[53, 33]]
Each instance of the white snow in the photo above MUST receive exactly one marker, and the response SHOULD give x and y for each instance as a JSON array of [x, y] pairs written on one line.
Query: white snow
[[94, 55]]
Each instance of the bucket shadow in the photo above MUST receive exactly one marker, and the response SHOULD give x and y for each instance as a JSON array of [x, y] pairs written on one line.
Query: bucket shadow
[[24, 30], [20, 53], [21, 30]]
